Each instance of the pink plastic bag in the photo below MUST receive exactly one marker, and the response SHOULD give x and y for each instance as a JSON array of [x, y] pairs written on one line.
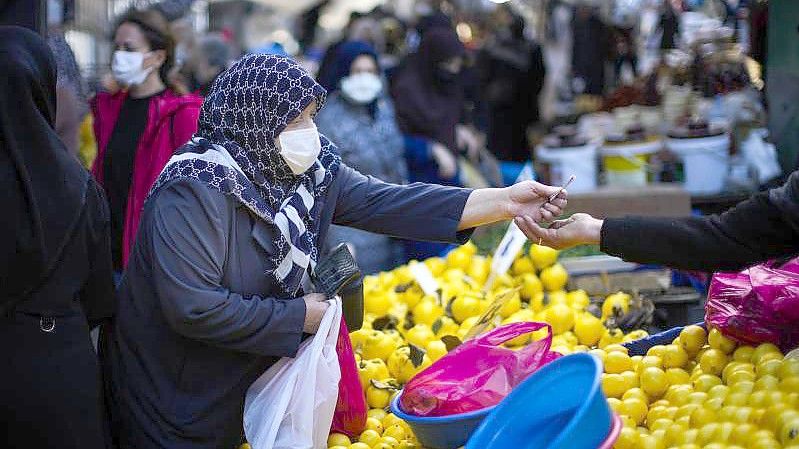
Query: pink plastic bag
[[350, 415], [757, 305], [477, 374]]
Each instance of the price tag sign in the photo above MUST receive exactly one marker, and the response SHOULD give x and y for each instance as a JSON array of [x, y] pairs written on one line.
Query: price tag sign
[[424, 278], [512, 242]]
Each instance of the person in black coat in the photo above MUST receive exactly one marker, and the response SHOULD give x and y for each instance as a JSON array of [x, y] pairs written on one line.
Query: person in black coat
[[766, 226], [512, 73], [590, 49], [55, 268]]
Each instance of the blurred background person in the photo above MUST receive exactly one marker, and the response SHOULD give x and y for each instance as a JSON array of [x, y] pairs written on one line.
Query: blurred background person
[[669, 26], [589, 50], [72, 103], [55, 268], [359, 117], [209, 59], [139, 126], [429, 101], [512, 76], [625, 49]]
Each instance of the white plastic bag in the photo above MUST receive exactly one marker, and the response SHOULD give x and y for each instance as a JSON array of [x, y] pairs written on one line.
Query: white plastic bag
[[291, 405]]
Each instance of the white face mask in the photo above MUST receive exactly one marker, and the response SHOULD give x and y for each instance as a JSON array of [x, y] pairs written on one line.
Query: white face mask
[[300, 148], [362, 87], [127, 67]]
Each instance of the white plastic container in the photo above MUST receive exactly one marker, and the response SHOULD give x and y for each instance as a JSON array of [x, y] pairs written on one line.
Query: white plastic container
[[563, 162], [705, 162], [626, 163]]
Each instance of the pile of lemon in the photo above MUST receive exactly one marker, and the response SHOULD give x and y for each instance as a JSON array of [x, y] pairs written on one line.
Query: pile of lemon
[[703, 391], [404, 327]]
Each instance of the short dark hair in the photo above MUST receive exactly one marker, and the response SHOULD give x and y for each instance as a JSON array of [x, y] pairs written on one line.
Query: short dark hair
[[216, 51], [156, 30]]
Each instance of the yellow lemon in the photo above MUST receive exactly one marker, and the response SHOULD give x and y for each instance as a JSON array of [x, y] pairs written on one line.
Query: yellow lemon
[[521, 266], [359, 445], [692, 338], [713, 361], [513, 305], [338, 439], [435, 350], [376, 303], [554, 278], [369, 437], [614, 385], [419, 335], [543, 256], [654, 381], [377, 413], [377, 398], [618, 362], [374, 424], [617, 303], [743, 354], [589, 329], [611, 336], [465, 306], [718, 341], [578, 299], [427, 312], [396, 431], [445, 326], [635, 408], [531, 286], [458, 258], [560, 317], [674, 356]]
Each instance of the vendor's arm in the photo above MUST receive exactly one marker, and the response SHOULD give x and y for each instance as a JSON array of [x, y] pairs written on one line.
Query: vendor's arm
[[189, 249], [763, 227], [432, 212]]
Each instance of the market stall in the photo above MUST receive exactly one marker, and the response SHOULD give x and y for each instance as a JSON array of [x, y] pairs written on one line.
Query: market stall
[[431, 327]]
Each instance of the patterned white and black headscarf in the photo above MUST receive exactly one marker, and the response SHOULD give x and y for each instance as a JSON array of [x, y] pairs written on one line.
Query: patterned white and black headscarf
[[234, 152]]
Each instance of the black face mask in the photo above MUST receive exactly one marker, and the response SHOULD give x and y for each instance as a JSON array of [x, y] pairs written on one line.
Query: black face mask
[[446, 77]]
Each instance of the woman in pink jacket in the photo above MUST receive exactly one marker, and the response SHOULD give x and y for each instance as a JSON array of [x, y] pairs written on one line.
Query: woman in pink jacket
[[139, 126]]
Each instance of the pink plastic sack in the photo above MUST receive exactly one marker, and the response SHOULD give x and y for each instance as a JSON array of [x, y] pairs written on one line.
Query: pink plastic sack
[[350, 415], [757, 305], [477, 374]]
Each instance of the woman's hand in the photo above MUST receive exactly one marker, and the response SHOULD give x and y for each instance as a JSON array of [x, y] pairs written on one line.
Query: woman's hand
[[315, 307], [523, 199], [447, 164], [529, 199], [576, 230]]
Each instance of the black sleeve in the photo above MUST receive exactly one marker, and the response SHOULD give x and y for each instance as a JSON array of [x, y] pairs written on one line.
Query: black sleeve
[[763, 227], [97, 295]]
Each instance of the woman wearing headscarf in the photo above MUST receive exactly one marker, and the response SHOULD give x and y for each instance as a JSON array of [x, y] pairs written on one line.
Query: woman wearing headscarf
[[229, 235], [359, 117], [429, 99], [139, 127], [55, 267]]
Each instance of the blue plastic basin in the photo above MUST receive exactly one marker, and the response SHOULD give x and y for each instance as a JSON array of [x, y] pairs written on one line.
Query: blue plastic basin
[[561, 406], [441, 432]]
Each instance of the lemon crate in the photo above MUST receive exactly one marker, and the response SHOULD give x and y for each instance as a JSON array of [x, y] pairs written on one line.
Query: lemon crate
[[639, 347]]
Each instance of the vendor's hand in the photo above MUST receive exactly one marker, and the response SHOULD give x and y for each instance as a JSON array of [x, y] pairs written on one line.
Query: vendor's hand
[[576, 230], [529, 199], [315, 307], [447, 164]]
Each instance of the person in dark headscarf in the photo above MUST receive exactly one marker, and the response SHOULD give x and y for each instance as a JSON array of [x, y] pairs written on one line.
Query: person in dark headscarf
[[230, 233], [359, 117], [72, 103], [512, 74], [590, 49], [55, 267], [429, 99]]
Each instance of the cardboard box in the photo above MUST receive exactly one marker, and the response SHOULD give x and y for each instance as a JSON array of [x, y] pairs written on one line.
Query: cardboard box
[[656, 200]]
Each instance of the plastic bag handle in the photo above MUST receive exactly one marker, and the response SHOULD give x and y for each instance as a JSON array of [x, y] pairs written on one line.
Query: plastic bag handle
[[510, 331]]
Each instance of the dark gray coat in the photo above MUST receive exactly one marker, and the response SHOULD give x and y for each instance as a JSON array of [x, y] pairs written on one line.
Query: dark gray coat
[[198, 321]]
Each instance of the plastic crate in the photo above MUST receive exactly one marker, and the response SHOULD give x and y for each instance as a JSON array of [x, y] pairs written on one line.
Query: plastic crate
[[640, 347]]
